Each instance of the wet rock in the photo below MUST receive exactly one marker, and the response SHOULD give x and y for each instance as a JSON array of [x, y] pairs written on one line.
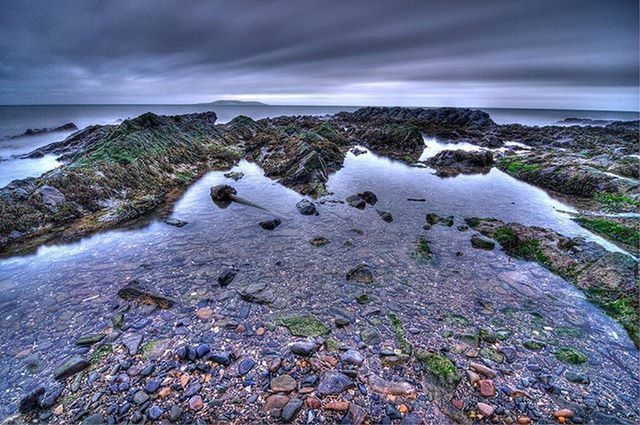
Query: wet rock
[[577, 377], [196, 403], [221, 358], [357, 414], [482, 243], [332, 382], [222, 195], [246, 365], [337, 406], [482, 369], [306, 207], [485, 409], [487, 388], [361, 274], [140, 397], [136, 291], [31, 402], [234, 175], [270, 224], [319, 241], [50, 197], [88, 340], [155, 412], [95, 419], [174, 413], [283, 384], [369, 197], [313, 402], [227, 276], [563, 413], [257, 292], [352, 357], [303, 348], [381, 386], [71, 366], [356, 201], [132, 342], [449, 163], [385, 216], [175, 222], [275, 401], [290, 411], [204, 313]]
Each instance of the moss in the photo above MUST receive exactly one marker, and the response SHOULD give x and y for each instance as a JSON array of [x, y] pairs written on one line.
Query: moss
[[439, 367], [517, 167], [567, 332], [524, 249], [624, 310], [327, 131], [363, 298], [185, 177], [617, 202], [487, 336], [398, 331], [492, 354], [331, 344], [534, 345], [101, 353], [422, 249], [305, 326], [611, 229], [570, 355], [148, 347], [455, 319]]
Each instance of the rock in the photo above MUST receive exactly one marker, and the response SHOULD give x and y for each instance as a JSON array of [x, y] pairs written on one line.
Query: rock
[[202, 350], [356, 201], [88, 340], [342, 321], [175, 222], [174, 413], [385, 216], [283, 384], [155, 412], [246, 365], [95, 419], [319, 241], [257, 292], [221, 358], [482, 243], [450, 163], [576, 377], [433, 218], [381, 386], [338, 406], [70, 367], [483, 370], [152, 386], [306, 207], [485, 409], [275, 401], [313, 402], [136, 291], [204, 313], [357, 414], [234, 175], [50, 197], [332, 382], [222, 194], [31, 402], [369, 197], [270, 224], [523, 420], [352, 357], [196, 403], [303, 348], [132, 342], [227, 276], [487, 388], [563, 413], [291, 409], [140, 398], [361, 274]]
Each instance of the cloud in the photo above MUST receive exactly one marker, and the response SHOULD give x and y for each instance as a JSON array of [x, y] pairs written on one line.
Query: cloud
[[571, 54]]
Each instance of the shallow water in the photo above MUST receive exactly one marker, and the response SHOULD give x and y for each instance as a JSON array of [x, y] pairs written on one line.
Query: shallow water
[[49, 299]]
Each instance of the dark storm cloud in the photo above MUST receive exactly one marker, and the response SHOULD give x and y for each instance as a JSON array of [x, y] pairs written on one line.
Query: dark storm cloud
[[575, 54]]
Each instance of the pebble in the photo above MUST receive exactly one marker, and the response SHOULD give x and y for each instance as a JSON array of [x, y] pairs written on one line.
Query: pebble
[[487, 388], [155, 412], [290, 411], [332, 382], [204, 313], [246, 365], [283, 384], [195, 403], [303, 348], [352, 357], [485, 409]]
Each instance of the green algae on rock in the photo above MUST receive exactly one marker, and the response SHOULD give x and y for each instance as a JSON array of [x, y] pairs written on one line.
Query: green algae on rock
[[439, 368], [306, 326]]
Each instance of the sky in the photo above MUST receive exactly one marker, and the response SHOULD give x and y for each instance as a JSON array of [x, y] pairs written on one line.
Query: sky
[[558, 54]]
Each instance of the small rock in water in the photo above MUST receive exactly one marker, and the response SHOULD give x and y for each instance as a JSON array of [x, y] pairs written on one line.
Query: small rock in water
[[136, 291], [385, 216], [306, 207], [246, 365], [369, 197], [204, 313], [234, 175], [356, 201], [319, 241], [283, 384], [132, 342], [221, 358], [361, 274], [71, 366], [290, 411], [155, 412], [487, 388], [227, 276], [332, 382], [352, 357], [485, 409], [175, 222], [196, 403], [482, 243], [270, 224], [303, 348], [91, 339], [257, 292]]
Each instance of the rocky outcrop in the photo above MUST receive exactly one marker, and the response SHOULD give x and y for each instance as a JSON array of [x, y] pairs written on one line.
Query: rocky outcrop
[[610, 279], [38, 131], [450, 163]]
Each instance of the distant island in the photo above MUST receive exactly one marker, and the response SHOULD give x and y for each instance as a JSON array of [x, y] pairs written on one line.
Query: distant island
[[235, 103]]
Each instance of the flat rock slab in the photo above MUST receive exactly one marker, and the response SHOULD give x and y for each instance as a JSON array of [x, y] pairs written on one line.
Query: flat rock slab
[[137, 292], [71, 366]]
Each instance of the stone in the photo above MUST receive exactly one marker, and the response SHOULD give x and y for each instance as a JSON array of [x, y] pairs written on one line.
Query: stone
[[227, 276], [175, 222], [220, 358], [270, 224], [313, 402], [132, 341], [136, 291], [362, 273], [30, 402], [352, 357], [140, 398], [152, 385], [50, 197], [563, 413], [369, 197], [196, 403], [234, 175], [155, 412], [338, 406], [482, 243], [222, 193], [356, 201], [485, 409], [487, 388], [381, 386], [246, 365], [385, 216], [306, 207], [332, 382], [71, 366], [87, 340], [319, 241], [576, 377], [483, 370], [175, 412], [291, 409], [303, 348], [257, 292], [275, 401], [283, 384], [95, 419], [204, 313], [357, 414]]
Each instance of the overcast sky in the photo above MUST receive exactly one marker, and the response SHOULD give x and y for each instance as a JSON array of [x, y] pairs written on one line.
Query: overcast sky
[[534, 53]]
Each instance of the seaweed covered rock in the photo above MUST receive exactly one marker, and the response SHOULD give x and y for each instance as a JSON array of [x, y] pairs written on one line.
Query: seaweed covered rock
[[450, 163]]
